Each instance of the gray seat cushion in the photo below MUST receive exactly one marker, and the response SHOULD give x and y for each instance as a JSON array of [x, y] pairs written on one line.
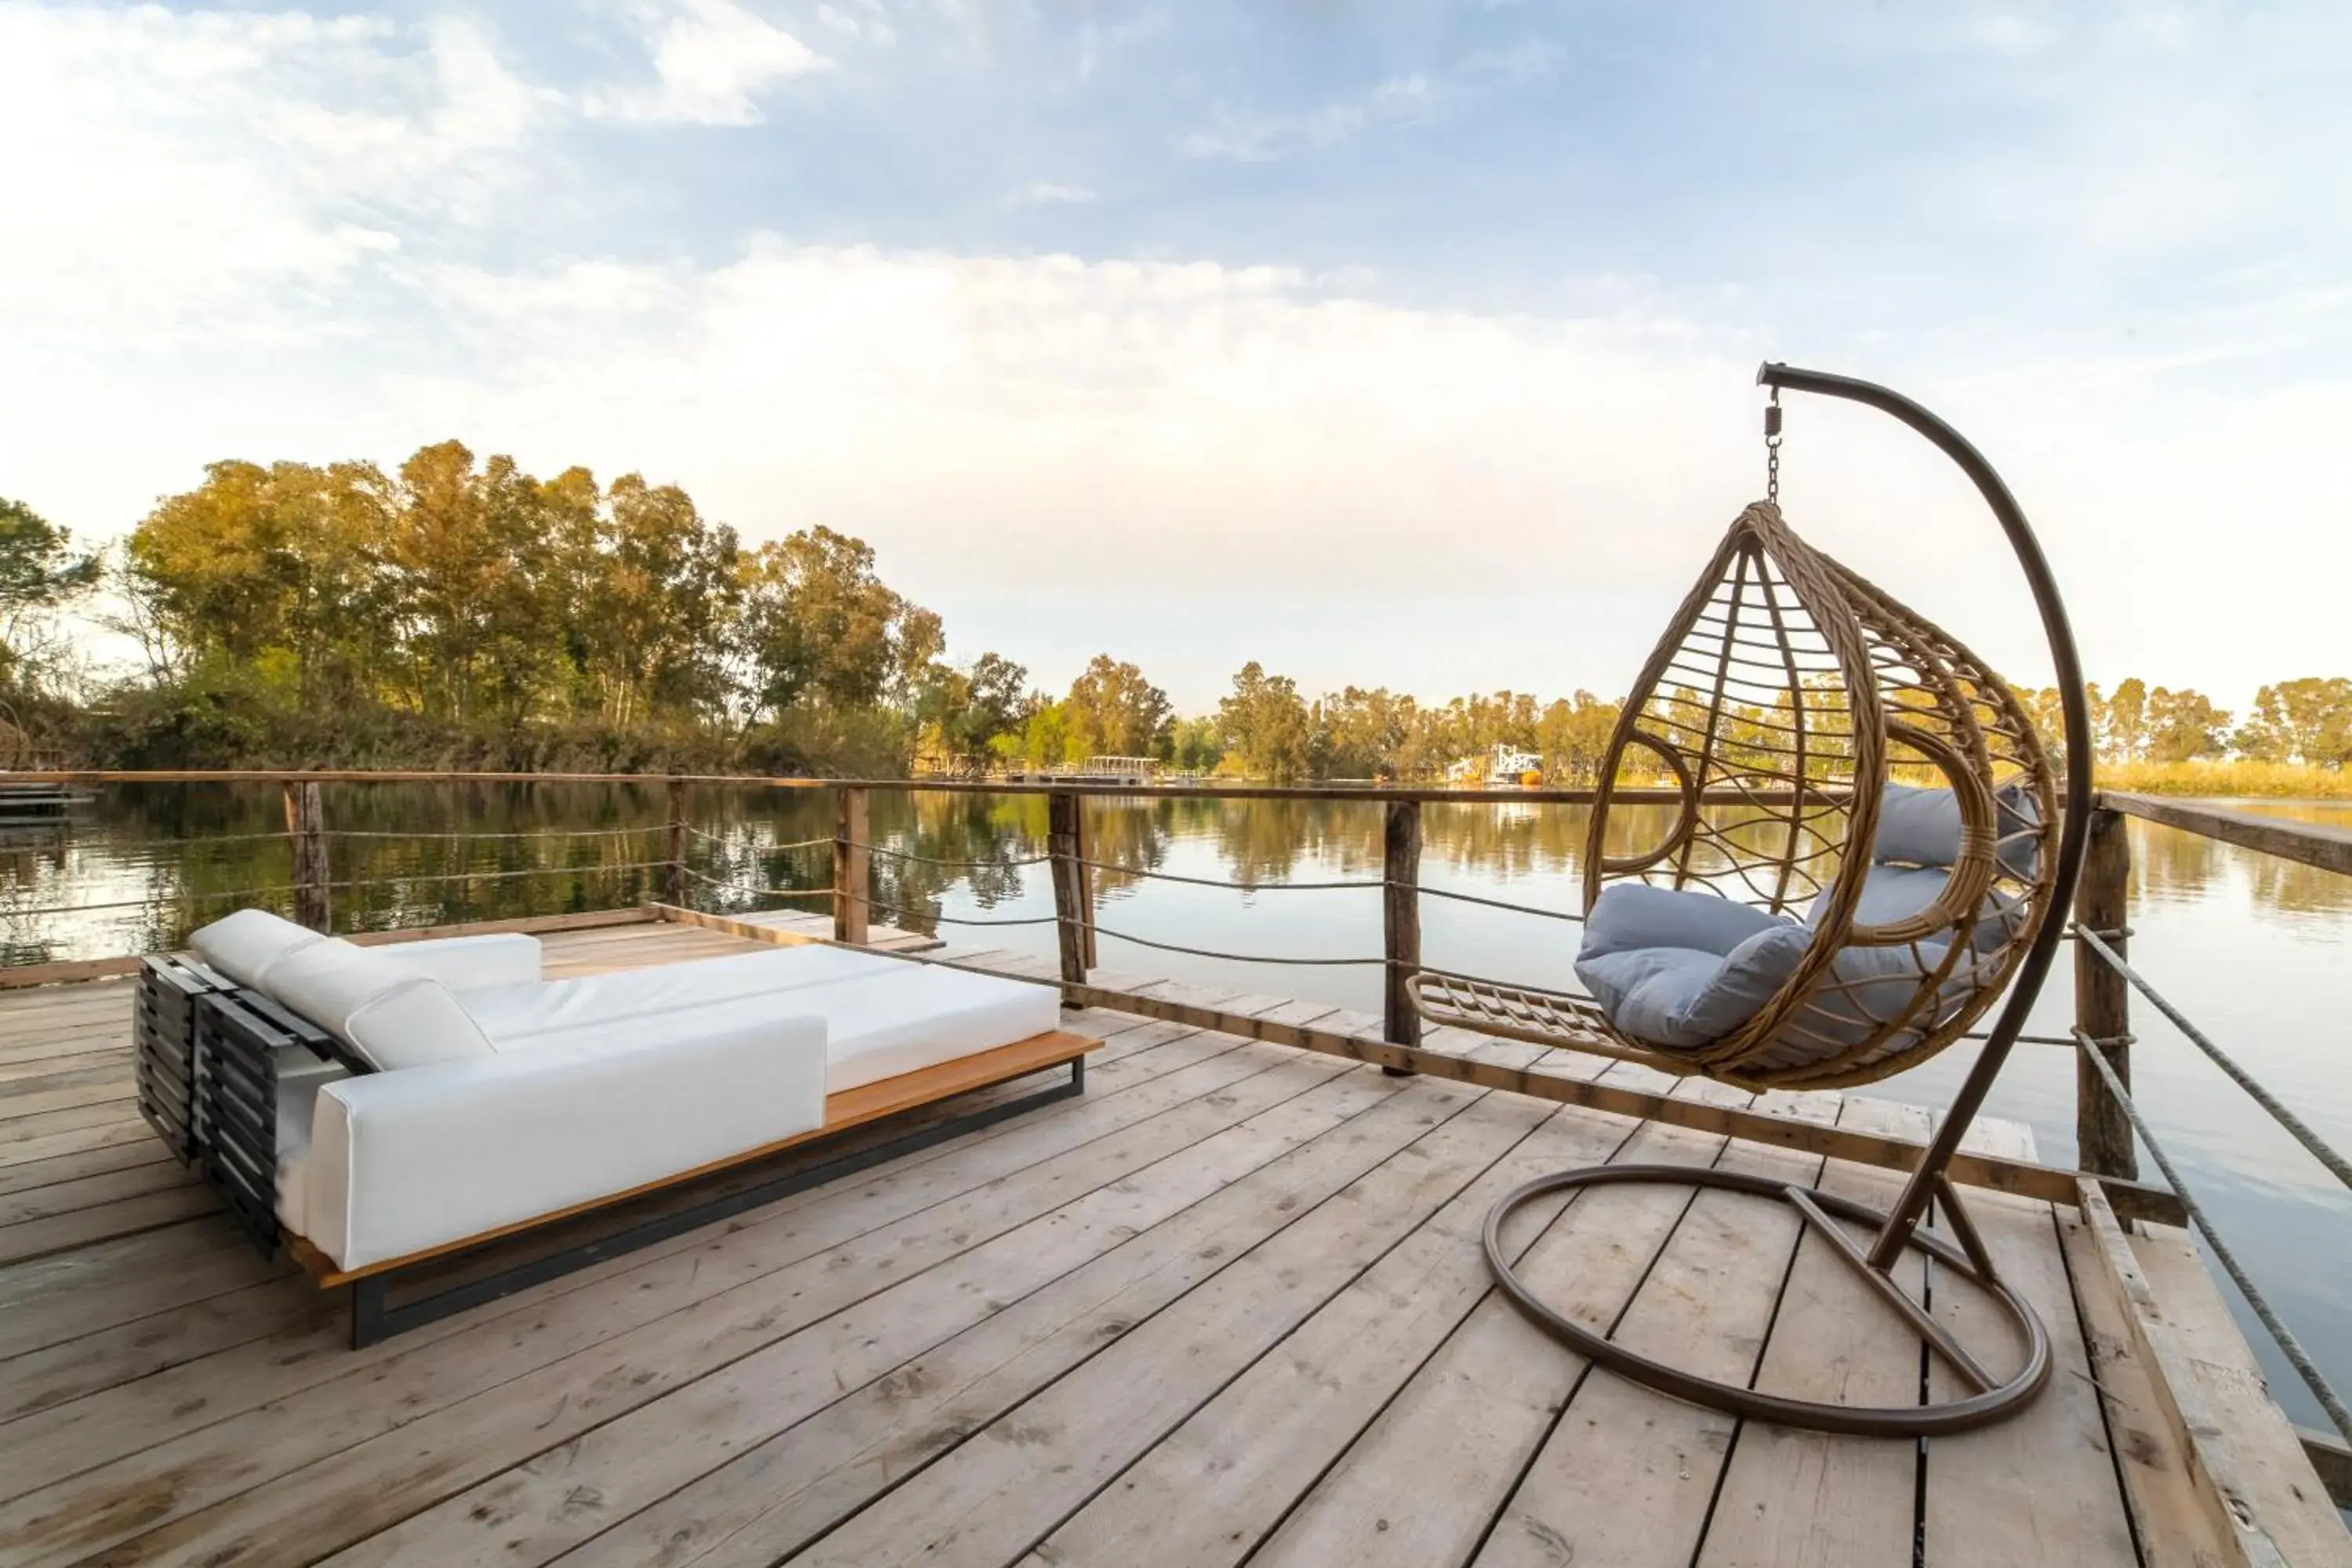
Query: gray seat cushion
[[1680, 970]]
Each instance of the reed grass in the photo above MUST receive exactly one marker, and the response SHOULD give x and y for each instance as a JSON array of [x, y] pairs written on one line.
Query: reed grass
[[2267, 781]]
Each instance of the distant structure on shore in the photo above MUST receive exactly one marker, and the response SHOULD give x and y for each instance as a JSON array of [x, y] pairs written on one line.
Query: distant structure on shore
[[1503, 766]]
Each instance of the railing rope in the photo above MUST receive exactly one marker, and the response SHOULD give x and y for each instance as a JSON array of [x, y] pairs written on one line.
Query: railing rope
[[2103, 1134], [2289, 1346], [2316, 1146]]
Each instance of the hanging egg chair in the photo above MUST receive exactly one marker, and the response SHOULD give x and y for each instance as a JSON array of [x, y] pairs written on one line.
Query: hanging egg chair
[[1866, 848]]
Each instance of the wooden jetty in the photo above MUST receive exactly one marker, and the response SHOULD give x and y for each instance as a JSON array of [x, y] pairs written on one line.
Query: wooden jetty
[[1229, 1307]]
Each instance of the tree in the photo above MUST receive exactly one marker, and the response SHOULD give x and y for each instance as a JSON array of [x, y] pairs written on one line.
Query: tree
[[2124, 736], [1573, 735], [2184, 725], [964, 715], [1114, 712], [816, 623], [2308, 721], [39, 574], [1265, 725]]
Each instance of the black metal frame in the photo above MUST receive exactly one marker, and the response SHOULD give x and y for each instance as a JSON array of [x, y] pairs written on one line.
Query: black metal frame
[[238, 1038], [1896, 1231], [164, 1049], [374, 1316]]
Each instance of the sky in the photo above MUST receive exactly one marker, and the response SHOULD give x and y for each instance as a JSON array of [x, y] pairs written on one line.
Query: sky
[[1386, 344]]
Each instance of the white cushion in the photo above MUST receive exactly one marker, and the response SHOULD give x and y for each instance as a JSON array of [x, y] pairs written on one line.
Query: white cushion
[[393, 1016], [515, 1016], [245, 944], [469, 963], [400, 1162], [880, 1025]]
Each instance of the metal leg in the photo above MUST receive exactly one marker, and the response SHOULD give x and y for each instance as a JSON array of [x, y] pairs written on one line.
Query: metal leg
[[369, 1319], [1990, 1401], [374, 1317]]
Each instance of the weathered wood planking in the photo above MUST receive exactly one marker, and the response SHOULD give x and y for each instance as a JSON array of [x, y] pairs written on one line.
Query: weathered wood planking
[[1228, 1306]]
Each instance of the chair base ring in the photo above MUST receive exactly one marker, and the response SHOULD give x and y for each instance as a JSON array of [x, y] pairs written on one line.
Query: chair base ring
[[1979, 1409]]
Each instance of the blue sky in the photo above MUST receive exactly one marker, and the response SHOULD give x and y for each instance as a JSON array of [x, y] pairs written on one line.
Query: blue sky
[[1202, 333]]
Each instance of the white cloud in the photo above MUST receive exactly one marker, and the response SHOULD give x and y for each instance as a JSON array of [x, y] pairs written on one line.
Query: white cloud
[[712, 61], [1411, 99], [177, 172], [1044, 193]]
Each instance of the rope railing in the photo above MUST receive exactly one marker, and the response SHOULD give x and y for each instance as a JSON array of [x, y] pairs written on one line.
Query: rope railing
[[752, 846], [2338, 1166], [1147, 875], [482, 837], [2289, 1346]]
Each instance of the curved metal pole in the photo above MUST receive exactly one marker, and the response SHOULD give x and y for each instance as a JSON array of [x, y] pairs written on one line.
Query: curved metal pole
[[2074, 832]]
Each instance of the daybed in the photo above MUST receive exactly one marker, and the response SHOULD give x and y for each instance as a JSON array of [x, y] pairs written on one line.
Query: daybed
[[377, 1107]]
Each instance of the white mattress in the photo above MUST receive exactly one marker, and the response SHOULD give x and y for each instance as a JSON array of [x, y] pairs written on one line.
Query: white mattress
[[516, 1017], [918, 1016]]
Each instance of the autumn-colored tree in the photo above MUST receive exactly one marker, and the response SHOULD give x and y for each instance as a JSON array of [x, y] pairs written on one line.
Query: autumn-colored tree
[[2184, 726], [2308, 721]]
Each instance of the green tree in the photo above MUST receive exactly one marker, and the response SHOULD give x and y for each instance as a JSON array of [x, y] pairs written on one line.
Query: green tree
[[816, 624], [39, 574], [1112, 710], [1266, 726]]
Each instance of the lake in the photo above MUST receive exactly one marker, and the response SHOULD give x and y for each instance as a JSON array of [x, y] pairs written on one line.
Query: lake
[[2258, 952]]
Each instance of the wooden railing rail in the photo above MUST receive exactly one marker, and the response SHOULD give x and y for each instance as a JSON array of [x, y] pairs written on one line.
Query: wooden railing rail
[[2304, 843]]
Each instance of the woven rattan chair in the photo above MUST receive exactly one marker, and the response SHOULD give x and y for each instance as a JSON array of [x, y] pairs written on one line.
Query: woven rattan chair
[[1786, 699]]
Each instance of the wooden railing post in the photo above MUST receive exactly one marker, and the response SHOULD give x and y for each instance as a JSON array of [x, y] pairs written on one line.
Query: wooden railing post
[[1400, 923], [853, 864], [2103, 1134], [1063, 834], [1086, 883], [673, 874], [306, 828]]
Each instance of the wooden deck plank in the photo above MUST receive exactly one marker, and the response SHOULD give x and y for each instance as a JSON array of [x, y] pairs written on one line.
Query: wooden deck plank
[[85, 1224], [77, 1165], [2170, 1523], [2053, 1459], [1217, 1485], [284, 1365], [995, 1496], [1791, 1497], [1628, 1475], [1229, 1305], [357, 1453], [1423, 1481], [532, 1512], [2275, 1477]]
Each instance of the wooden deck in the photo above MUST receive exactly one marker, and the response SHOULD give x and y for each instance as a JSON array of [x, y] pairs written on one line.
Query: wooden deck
[[1229, 1307]]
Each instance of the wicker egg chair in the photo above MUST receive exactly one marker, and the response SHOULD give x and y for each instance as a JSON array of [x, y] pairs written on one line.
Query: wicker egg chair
[[1815, 733]]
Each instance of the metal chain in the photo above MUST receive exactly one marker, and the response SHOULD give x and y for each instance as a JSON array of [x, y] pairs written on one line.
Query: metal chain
[[1772, 448]]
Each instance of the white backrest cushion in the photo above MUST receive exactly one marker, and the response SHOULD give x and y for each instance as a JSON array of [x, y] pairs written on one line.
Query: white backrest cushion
[[245, 944], [389, 1014]]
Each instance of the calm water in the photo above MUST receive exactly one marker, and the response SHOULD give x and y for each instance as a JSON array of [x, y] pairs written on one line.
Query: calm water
[[2257, 951]]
